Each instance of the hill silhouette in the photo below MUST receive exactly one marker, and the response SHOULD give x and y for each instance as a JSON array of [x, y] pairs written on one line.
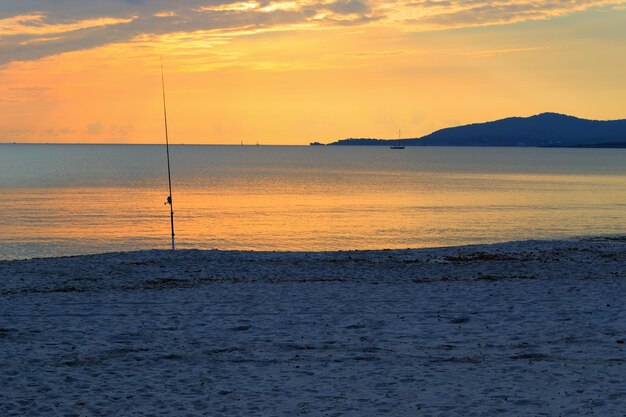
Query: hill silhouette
[[545, 129]]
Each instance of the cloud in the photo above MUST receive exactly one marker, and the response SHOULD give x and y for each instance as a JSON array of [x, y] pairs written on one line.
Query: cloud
[[35, 24], [12, 134], [349, 7], [121, 130], [32, 29], [444, 14], [113, 130], [14, 95], [494, 52], [49, 28], [59, 132], [164, 14], [95, 128]]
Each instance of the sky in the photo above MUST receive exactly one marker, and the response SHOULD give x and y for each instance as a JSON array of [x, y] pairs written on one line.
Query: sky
[[292, 72]]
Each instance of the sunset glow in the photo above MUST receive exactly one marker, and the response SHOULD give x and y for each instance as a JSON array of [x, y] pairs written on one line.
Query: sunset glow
[[289, 72]]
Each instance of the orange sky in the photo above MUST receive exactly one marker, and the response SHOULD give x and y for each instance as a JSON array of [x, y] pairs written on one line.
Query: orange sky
[[288, 72]]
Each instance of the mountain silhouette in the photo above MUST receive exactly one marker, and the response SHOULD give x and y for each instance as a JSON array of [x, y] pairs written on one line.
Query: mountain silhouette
[[545, 129]]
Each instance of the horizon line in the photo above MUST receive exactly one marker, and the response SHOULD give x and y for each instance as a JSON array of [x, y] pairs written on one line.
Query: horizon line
[[146, 143]]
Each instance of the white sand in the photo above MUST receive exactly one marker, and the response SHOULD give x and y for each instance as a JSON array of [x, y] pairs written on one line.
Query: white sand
[[517, 329]]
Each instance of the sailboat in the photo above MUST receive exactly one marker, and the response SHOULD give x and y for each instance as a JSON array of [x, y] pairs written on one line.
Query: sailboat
[[399, 144]]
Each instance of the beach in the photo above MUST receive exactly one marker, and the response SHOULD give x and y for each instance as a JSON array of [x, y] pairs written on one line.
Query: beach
[[511, 329]]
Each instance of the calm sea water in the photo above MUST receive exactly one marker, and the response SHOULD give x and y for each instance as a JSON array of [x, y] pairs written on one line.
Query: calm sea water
[[76, 199]]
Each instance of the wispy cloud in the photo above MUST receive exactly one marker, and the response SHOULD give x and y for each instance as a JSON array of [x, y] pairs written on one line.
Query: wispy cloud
[[165, 13], [60, 132], [444, 14], [13, 95], [35, 24], [494, 52], [32, 29], [49, 28]]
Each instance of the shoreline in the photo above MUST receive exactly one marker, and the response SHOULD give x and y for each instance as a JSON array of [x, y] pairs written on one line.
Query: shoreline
[[502, 245], [529, 259], [519, 328]]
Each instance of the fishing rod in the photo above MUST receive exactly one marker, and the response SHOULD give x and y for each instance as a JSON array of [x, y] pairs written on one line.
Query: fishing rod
[[167, 150]]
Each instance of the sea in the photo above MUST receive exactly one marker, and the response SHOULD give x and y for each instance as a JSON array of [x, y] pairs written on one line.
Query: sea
[[60, 200]]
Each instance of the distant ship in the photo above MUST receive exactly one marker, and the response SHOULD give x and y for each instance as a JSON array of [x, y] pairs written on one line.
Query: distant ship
[[316, 144], [398, 145]]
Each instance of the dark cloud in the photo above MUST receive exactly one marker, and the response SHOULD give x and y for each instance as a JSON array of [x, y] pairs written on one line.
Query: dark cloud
[[35, 38], [349, 6], [431, 3], [67, 10], [57, 26]]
